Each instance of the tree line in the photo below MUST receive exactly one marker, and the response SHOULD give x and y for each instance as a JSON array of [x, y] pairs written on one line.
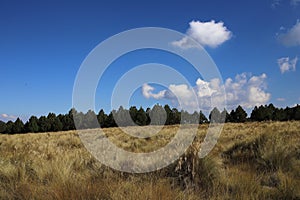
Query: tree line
[[160, 115]]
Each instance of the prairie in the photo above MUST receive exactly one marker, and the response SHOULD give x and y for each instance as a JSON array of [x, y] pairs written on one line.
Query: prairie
[[257, 160]]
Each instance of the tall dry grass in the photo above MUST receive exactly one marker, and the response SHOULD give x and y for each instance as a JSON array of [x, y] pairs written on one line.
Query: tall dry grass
[[250, 161]]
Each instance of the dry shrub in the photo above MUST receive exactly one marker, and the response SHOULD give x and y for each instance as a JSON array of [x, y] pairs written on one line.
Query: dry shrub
[[267, 152]]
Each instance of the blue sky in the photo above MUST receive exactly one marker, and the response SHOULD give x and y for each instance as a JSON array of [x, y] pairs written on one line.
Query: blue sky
[[43, 43]]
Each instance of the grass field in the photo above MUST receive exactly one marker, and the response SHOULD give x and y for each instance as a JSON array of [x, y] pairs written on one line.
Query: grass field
[[250, 161]]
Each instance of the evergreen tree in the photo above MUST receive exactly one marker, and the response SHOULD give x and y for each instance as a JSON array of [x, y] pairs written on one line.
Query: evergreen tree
[[124, 118], [133, 113], [169, 114], [2, 127], [279, 115], [202, 118], [215, 115], [296, 112], [195, 118], [54, 122], [148, 110], [44, 125], [67, 121], [257, 114], [9, 127], [240, 115], [90, 120], [102, 118], [269, 112], [79, 120], [141, 117], [18, 126], [158, 115], [176, 116], [110, 121], [225, 115], [31, 126]]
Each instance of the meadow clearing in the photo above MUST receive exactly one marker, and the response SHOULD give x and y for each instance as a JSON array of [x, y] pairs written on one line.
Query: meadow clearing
[[255, 160]]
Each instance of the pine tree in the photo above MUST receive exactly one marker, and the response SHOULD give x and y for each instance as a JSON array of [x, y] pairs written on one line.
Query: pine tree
[[2, 127], [215, 115], [141, 117], [18, 126], [202, 118], [240, 115], [9, 127], [32, 125], [102, 118]]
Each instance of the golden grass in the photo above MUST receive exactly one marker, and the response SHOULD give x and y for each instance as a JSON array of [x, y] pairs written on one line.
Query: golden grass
[[250, 161]]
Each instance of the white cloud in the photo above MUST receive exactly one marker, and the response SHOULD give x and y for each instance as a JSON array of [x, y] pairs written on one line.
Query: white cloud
[[292, 36], [275, 3], [280, 99], [247, 92], [295, 2], [6, 117], [286, 64], [210, 34], [243, 90], [147, 92]]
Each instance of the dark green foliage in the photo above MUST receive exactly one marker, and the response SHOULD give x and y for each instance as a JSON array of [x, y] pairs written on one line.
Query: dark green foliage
[[91, 120], [44, 124], [141, 117], [67, 121], [9, 127], [79, 119], [133, 113], [169, 114], [2, 127], [158, 115], [110, 121], [32, 125], [225, 115], [18, 126], [188, 118], [54, 122], [202, 118], [101, 118], [215, 116], [270, 112], [239, 115]]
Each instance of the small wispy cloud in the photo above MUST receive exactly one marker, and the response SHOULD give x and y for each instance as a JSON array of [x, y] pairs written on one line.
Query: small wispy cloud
[[275, 3], [286, 64], [280, 99], [292, 36], [6, 117], [295, 2], [211, 34]]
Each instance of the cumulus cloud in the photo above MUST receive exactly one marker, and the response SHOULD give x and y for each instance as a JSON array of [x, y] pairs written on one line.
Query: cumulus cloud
[[292, 36], [147, 92], [210, 34], [245, 90], [286, 64]]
